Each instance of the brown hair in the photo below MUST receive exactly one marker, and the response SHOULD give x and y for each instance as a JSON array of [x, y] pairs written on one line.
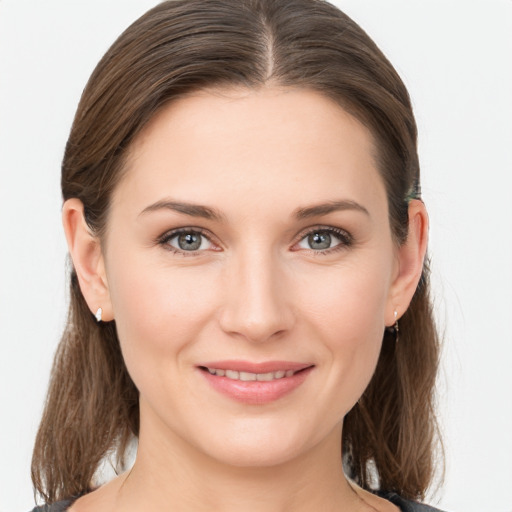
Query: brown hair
[[186, 45]]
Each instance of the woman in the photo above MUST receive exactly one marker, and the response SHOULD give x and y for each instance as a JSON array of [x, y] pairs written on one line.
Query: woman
[[249, 299]]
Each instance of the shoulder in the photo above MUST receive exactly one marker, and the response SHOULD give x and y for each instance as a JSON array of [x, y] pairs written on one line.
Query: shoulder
[[407, 505], [59, 506]]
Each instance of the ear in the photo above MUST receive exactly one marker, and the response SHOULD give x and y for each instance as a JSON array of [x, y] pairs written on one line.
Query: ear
[[86, 253], [411, 256]]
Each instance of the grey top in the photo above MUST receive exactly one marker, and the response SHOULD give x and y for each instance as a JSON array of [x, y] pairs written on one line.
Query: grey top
[[402, 504], [407, 505], [60, 506]]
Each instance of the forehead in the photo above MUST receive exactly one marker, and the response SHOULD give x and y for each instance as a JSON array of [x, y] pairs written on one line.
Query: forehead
[[280, 144]]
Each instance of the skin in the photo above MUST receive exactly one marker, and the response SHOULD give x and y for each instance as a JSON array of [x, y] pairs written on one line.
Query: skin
[[255, 290]]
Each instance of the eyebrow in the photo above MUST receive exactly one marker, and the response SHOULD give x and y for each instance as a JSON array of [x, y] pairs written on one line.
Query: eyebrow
[[329, 207], [197, 210], [194, 210]]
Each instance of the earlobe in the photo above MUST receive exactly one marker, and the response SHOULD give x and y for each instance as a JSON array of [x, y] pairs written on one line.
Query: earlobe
[[411, 256], [86, 252]]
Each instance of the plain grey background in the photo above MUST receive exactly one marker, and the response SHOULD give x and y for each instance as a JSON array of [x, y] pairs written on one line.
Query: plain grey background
[[455, 57]]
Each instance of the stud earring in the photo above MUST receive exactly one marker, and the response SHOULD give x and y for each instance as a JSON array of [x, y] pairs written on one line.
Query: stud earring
[[394, 328], [98, 315]]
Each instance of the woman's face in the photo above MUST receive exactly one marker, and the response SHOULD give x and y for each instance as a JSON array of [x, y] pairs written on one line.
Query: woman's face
[[250, 267]]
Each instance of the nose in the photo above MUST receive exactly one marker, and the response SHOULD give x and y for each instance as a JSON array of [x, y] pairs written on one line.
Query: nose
[[257, 303]]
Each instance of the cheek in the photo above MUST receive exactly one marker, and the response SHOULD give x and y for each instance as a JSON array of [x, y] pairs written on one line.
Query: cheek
[[350, 299], [349, 315], [158, 312]]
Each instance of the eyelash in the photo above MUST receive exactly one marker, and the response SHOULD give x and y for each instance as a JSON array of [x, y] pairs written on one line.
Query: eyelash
[[166, 237], [346, 239]]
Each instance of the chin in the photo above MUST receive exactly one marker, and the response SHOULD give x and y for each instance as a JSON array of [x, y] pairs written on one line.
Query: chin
[[254, 455], [260, 444]]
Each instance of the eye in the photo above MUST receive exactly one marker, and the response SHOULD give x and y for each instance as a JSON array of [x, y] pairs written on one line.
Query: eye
[[186, 240], [323, 239]]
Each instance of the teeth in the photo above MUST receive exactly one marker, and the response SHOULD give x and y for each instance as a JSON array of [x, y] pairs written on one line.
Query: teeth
[[248, 376], [266, 376]]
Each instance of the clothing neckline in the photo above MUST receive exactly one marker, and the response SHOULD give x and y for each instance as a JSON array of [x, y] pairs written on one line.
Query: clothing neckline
[[403, 504]]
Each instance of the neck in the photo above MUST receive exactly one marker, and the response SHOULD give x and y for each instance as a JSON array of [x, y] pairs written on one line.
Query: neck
[[169, 474]]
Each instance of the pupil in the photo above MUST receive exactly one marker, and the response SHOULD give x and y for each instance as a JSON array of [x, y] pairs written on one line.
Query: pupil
[[319, 240], [189, 241]]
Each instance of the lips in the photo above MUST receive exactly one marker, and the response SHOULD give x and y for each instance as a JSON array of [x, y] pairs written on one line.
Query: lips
[[249, 376], [255, 383]]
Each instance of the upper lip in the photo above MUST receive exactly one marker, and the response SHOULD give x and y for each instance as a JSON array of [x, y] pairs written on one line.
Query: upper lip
[[250, 367]]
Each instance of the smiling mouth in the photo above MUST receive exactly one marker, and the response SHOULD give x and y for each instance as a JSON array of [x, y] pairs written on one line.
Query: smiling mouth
[[251, 377], [255, 383]]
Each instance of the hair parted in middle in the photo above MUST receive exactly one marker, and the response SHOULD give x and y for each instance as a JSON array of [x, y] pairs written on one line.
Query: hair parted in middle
[[179, 47]]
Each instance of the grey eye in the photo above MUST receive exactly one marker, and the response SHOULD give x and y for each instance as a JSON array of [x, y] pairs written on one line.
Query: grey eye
[[319, 240], [324, 239], [188, 241]]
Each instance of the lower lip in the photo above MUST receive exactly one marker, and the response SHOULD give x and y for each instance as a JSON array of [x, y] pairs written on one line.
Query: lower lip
[[256, 392]]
